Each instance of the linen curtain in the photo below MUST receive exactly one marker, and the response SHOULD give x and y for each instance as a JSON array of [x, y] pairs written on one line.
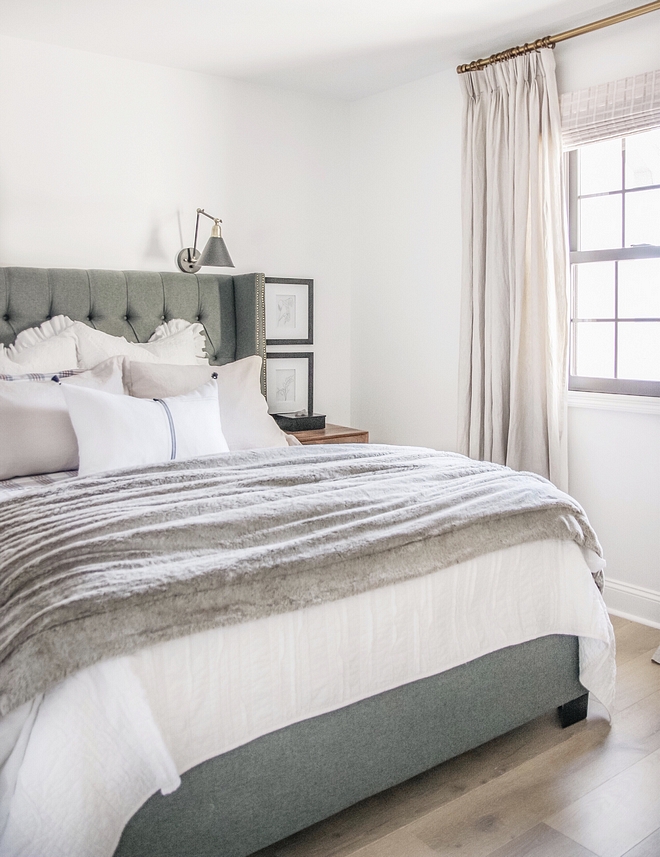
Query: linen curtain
[[514, 317]]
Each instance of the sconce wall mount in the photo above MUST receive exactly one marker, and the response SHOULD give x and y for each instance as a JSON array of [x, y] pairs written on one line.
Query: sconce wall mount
[[215, 254]]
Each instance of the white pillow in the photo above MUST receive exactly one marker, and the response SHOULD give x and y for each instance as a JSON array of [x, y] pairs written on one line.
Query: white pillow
[[176, 341], [115, 432], [35, 428], [176, 325], [94, 346], [50, 355], [246, 423], [46, 330]]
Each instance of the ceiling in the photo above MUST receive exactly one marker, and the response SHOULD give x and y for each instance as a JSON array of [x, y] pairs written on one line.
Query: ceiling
[[339, 48]]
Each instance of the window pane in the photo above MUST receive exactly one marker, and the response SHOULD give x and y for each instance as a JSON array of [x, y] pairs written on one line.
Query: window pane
[[600, 167], [594, 349], [600, 222], [639, 288], [639, 350], [643, 159], [594, 282], [643, 217]]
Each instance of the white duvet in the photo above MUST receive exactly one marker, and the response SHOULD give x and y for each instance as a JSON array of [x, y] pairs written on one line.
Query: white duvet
[[80, 760]]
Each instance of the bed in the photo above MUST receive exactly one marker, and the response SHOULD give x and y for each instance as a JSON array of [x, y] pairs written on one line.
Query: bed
[[282, 774]]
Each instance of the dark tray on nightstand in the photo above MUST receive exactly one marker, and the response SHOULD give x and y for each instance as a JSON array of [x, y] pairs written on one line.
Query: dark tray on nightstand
[[305, 422]]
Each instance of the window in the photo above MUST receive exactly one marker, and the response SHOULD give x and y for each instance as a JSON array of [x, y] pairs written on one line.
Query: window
[[614, 218]]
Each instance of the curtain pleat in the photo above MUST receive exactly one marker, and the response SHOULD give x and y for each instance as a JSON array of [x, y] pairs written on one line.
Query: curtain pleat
[[514, 317]]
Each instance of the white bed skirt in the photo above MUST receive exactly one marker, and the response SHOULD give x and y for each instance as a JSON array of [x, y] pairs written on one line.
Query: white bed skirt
[[81, 760]]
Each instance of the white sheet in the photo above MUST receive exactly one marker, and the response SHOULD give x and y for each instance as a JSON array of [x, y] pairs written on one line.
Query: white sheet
[[102, 741]]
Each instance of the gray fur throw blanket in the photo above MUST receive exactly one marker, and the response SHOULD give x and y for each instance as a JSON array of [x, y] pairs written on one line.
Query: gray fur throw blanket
[[101, 566]]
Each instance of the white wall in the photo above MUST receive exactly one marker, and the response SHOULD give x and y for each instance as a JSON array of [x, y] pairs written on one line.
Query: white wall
[[406, 297], [103, 162], [614, 468], [405, 183]]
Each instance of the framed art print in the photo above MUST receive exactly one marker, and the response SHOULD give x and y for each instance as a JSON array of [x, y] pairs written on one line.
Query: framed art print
[[290, 382], [289, 311]]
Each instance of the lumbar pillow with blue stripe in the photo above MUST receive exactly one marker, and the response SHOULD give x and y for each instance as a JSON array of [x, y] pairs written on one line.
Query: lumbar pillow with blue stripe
[[115, 432]]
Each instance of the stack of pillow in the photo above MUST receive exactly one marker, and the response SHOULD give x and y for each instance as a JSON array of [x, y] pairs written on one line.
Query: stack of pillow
[[72, 397]]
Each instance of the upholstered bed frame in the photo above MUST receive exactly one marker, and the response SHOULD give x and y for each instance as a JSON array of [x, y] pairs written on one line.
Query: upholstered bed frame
[[280, 783]]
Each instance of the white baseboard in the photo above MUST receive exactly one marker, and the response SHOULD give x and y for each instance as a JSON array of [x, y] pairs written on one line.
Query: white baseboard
[[633, 602]]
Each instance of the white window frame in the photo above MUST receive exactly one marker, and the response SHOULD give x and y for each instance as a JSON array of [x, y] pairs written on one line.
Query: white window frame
[[583, 383]]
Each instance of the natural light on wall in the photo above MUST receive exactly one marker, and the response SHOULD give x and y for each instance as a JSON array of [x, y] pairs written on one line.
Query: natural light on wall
[[614, 194]]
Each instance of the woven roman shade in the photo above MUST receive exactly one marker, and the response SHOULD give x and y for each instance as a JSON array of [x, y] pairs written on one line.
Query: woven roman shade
[[611, 110]]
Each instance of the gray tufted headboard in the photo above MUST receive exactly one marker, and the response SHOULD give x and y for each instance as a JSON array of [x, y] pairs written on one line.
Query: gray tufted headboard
[[133, 303]]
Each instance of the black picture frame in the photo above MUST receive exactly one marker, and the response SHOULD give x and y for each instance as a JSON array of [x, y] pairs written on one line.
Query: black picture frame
[[308, 328], [276, 406]]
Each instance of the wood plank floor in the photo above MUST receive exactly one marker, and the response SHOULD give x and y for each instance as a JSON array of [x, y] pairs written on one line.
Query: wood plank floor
[[592, 790]]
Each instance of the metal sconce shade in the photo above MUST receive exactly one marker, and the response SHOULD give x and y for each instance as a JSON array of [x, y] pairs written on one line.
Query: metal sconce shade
[[215, 254]]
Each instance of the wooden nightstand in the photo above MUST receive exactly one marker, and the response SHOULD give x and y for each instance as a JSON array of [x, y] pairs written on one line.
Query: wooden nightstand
[[332, 434]]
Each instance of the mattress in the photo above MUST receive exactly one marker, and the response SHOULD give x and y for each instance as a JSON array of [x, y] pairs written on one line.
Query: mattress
[[81, 759]]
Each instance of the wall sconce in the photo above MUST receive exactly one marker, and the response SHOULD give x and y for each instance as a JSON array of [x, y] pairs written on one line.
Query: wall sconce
[[215, 254]]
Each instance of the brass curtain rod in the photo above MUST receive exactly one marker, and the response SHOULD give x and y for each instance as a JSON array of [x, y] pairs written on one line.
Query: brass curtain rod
[[551, 41]]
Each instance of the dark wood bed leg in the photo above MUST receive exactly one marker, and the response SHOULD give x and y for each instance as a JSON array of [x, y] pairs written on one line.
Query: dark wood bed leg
[[573, 711]]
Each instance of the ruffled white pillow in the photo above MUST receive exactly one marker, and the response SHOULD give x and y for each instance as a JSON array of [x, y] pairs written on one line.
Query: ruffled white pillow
[[43, 349], [49, 355], [35, 335], [177, 342], [180, 348], [176, 325]]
